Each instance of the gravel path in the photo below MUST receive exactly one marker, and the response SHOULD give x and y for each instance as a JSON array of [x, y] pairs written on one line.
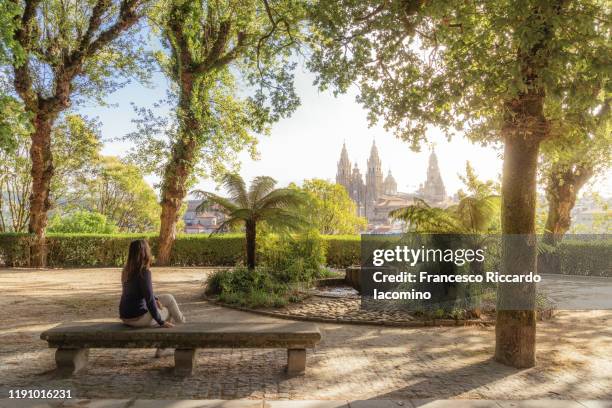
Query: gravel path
[[574, 351]]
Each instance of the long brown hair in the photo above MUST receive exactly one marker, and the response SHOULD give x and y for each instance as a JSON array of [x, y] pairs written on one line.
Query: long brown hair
[[139, 258]]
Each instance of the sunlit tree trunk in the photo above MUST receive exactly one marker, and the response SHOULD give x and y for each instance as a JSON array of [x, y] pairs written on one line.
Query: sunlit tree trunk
[[178, 170], [564, 184], [42, 172], [174, 191], [524, 129]]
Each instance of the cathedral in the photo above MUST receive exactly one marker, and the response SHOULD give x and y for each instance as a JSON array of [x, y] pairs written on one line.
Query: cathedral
[[378, 195]]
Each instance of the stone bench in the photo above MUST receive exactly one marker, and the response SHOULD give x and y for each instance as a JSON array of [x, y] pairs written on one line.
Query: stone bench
[[74, 340]]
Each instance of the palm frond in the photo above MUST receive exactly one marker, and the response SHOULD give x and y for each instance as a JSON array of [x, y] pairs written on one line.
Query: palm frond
[[235, 186], [241, 214], [280, 219], [283, 198], [228, 224], [211, 199], [260, 186], [427, 219], [477, 213]]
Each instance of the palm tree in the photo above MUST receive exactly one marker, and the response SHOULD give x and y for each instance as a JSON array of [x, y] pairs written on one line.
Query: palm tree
[[476, 213], [262, 202], [472, 215]]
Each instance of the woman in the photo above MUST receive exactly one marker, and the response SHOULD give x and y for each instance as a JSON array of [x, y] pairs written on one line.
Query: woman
[[139, 307]]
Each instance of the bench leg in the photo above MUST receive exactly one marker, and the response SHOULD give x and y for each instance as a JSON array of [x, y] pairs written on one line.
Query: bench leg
[[71, 361], [296, 361], [184, 361]]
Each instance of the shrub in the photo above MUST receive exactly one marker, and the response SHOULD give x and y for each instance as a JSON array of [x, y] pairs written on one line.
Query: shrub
[[286, 264], [82, 222], [82, 250], [298, 258], [14, 249], [250, 288], [588, 258], [206, 250], [342, 250]]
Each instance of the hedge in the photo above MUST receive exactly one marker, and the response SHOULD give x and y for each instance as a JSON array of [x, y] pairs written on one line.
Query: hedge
[[82, 250], [343, 250], [572, 257], [588, 258]]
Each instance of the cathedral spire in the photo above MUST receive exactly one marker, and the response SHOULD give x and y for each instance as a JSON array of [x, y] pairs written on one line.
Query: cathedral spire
[[343, 174], [433, 190]]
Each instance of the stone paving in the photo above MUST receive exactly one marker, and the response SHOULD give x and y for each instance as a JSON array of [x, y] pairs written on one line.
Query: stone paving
[[417, 403], [351, 362]]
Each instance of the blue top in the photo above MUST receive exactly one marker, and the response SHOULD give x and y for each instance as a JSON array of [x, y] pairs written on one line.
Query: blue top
[[138, 298]]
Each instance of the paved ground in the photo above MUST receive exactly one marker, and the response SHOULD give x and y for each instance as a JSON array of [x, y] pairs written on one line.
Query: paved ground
[[352, 362], [578, 292], [415, 403]]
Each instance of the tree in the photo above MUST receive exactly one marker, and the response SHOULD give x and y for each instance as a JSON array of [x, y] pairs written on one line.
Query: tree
[[330, 209], [119, 192], [210, 44], [82, 222], [476, 213], [277, 208], [501, 71], [67, 50], [15, 184], [75, 147], [11, 110], [570, 163]]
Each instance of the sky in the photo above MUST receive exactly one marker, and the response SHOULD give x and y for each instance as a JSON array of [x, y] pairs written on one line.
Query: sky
[[308, 144]]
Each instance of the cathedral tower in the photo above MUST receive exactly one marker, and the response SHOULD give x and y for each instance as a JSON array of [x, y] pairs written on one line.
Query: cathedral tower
[[343, 175], [357, 191], [390, 185], [374, 180], [433, 190]]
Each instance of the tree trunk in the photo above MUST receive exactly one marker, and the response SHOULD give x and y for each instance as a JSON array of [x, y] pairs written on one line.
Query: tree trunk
[[515, 330], [564, 183], [174, 190], [251, 237], [178, 171], [42, 172]]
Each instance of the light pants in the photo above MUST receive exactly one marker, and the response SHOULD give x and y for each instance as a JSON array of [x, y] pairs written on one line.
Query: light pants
[[169, 311]]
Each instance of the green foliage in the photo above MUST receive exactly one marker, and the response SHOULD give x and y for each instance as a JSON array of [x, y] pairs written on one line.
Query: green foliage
[[61, 41], [83, 180], [15, 249], [82, 250], [329, 208], [251, 288], [343, 250], [221, 46], [204, 250], [298, 258], [14, 123], [76, 145], [87, 222], [477, 212], [286, 264], [119, 191], [15, 182], [261, 203], [456, 64], [585, 258]]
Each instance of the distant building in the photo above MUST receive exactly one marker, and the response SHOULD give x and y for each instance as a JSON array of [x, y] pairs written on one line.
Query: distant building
[[377, 196], [203, 222], [433, 191]]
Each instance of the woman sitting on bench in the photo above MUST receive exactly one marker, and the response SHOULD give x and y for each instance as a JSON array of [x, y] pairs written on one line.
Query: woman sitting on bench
[[139, 307]]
